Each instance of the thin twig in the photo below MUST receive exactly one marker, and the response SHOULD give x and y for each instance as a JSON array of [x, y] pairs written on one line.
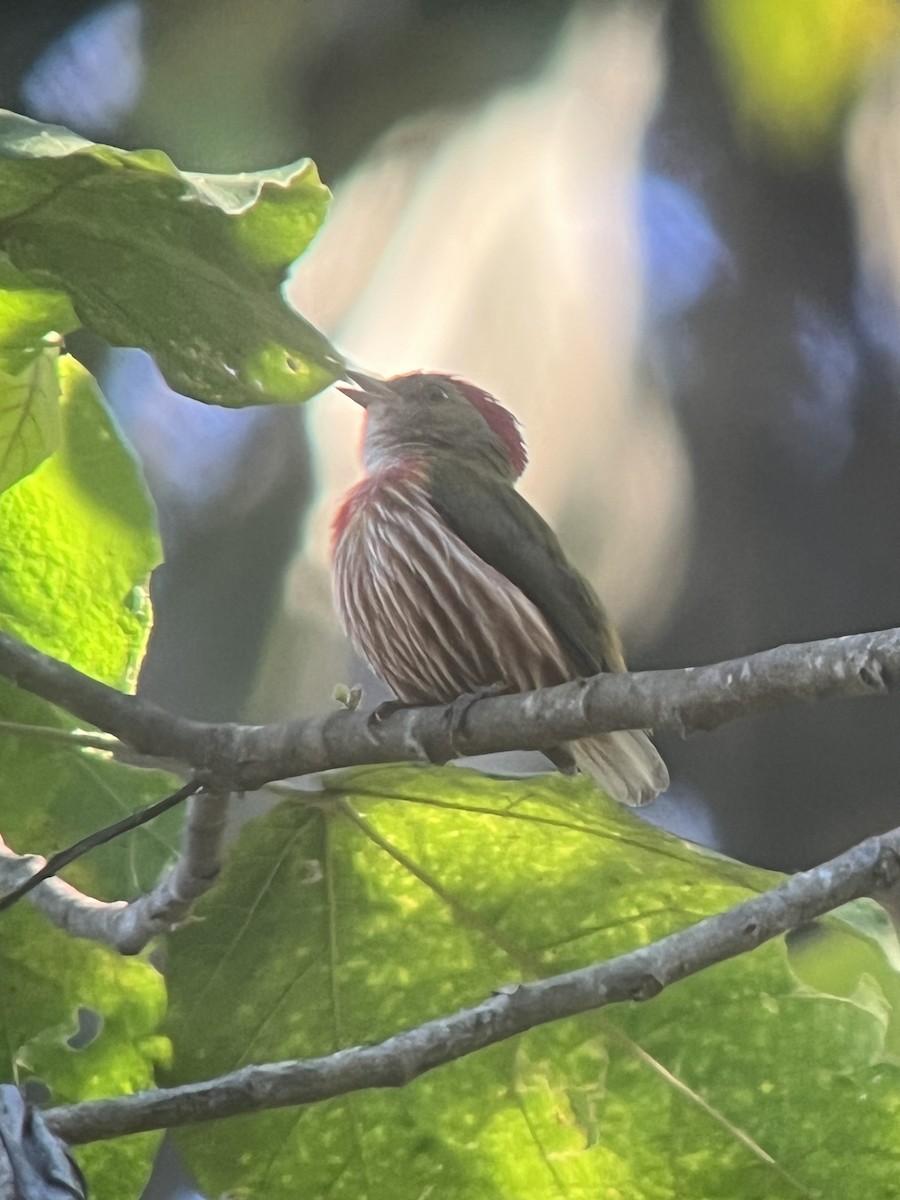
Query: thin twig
[[865, 870], [99, 837], [245, 757], [128, 927], [62, 904], [194, 873]]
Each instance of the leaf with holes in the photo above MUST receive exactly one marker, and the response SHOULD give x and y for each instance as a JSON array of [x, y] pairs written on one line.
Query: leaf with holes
[[79, 541], [84, 1029], [186, 266], [401, 894]]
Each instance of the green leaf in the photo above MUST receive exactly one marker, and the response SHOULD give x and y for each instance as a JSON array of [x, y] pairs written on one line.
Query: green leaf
[[31, 318], [28, 312], [79, 542], [187, 266], [403, 894], [29, 414], [792, 69], [56, 796], [81, 1022]]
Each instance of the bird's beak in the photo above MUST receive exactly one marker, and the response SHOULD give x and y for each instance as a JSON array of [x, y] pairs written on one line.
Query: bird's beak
[[364, 388]]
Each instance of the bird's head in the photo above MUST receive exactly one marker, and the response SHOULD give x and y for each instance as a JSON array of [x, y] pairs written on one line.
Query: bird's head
[[428, 416]]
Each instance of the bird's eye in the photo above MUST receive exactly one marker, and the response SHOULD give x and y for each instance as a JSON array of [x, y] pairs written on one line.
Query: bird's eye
[[436, 392]]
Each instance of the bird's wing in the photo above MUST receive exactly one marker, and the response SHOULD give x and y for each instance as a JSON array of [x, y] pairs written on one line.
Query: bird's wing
[[502, 528]]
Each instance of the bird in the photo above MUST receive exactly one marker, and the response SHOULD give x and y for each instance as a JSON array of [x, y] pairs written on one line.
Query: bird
[[449, 583]]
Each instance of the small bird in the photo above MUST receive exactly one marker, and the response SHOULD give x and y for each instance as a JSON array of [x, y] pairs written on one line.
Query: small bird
[[448, 582]]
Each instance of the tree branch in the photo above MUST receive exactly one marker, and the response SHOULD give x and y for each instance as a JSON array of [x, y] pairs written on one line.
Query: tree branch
[[244, 757], [128, 927], [866, 869], [62, 904], [194, 873]]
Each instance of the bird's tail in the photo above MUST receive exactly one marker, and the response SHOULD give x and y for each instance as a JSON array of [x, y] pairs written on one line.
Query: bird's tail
[[625, 765]]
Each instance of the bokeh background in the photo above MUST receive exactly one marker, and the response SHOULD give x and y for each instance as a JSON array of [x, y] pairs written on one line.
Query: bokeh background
[[666, 235]]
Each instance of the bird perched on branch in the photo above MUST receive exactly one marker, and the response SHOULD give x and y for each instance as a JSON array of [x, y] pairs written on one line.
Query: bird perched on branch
[[448, 582]]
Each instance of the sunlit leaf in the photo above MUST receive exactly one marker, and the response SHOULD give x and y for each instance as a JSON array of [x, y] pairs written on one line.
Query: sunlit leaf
[[29, 386], [56, 796], [79, 542], [186, 266], [29, 413], [792, 67], [404, 894], [29, 312], [79, 1021]]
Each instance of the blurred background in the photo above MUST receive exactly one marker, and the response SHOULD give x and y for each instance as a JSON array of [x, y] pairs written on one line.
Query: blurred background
[[666, 235]]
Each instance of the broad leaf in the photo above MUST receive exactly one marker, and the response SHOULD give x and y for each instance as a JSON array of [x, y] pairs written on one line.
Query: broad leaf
[[403, 894], [188, 267], [80, 541], [79, 1022]]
